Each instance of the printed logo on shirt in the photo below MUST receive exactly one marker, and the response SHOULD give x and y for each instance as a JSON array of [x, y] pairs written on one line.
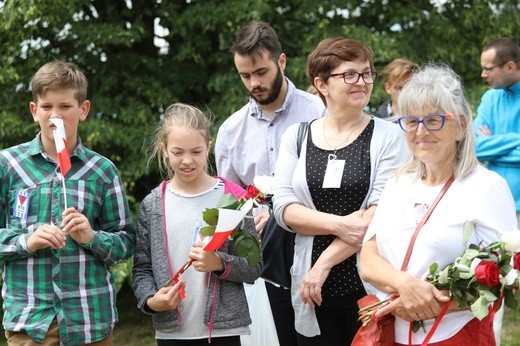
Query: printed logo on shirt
[[419, 210], [21, 204]]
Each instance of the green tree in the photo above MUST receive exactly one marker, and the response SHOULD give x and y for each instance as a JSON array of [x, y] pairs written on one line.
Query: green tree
[[142, 55]]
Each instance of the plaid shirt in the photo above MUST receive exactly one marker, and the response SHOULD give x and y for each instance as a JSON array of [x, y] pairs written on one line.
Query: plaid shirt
[[74, 283]]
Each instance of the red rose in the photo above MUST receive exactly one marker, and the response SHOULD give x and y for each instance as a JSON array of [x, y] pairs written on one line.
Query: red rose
[[516, 261], [487, 273], [251, 192]]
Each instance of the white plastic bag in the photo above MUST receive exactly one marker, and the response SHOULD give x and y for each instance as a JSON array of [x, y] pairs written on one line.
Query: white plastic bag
[[263, 330]]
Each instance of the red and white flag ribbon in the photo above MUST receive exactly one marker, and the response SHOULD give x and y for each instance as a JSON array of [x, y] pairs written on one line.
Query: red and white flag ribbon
[[60, 140], [228, 219]]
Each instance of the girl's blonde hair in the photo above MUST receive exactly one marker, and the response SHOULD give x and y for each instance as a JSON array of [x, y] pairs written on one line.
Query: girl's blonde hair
[[177, 115]]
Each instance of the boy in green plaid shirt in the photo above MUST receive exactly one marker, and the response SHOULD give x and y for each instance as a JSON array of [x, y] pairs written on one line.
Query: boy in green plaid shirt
[[58, 288]]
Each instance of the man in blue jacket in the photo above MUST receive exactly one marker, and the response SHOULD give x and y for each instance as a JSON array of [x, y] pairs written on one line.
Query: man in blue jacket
[[497, 125]]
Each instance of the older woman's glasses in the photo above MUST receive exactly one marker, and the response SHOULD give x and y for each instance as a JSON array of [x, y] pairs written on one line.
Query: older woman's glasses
[[351, 77], [432, 122]]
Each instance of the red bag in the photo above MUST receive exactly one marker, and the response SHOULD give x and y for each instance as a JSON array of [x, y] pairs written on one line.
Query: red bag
[[379, 332]]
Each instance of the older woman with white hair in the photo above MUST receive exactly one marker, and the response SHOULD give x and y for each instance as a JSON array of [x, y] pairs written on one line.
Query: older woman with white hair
[[437, 122]]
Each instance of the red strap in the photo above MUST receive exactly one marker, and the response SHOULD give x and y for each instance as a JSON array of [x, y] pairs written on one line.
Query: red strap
[[409, 253], [436, 323], [496, 306], [492, 312], [423, 221], [434, 327]]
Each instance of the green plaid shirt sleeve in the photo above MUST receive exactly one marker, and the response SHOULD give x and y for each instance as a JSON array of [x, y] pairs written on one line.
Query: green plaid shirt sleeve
[[73, 284], [114, 238]]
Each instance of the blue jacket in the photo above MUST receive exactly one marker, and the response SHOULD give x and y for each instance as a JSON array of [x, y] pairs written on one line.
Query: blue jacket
[[500, 111]]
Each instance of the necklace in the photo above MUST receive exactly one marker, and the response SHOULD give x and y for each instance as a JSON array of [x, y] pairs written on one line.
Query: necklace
[[333, 156]]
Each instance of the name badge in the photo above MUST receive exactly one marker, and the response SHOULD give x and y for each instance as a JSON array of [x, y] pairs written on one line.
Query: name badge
[[21, 204], [333, 174]]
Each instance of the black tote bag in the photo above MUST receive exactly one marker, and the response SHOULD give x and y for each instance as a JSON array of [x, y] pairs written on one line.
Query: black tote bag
[[277, 243]]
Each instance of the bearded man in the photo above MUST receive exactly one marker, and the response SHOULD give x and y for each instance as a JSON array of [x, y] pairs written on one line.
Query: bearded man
[[248, 141]]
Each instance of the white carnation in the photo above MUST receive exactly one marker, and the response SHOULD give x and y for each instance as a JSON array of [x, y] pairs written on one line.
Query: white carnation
[[264, 183], [511, 241]]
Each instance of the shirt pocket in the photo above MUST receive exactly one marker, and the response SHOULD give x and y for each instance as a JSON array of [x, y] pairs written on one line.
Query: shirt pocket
[[25, 209]]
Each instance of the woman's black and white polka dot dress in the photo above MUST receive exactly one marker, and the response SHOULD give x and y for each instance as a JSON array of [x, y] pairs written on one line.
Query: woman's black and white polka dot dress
[[343, 279]]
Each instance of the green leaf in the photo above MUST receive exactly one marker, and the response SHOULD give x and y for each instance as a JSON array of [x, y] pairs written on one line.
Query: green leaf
[[247, 246], [228, 201], [488, 295], [468, 228], [479, 308], [433, 268], [465, 275], [506, 267], [417, 325], [469, 255], [509, 299], [443, 276], [210, 216], [207, 230], [253, 256]]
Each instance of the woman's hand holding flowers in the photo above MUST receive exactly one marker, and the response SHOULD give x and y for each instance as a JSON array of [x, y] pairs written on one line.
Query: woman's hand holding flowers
[[418, 299]]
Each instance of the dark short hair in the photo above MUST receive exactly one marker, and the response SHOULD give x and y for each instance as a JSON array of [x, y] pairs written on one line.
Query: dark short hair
[[506, 50], [255, 38], [332, 52]]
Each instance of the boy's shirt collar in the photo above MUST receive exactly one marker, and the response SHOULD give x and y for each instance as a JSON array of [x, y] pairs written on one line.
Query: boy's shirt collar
[[36, 148]]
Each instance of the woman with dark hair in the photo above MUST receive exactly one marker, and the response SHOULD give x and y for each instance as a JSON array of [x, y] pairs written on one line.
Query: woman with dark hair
[[328, 195]]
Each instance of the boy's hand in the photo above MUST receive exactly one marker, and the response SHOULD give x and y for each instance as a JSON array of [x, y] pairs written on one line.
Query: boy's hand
[[77, 226], [46, 236]]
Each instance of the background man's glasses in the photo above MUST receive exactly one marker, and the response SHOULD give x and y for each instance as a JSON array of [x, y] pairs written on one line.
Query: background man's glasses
[[432, 122], [353, 77], [489, 69]]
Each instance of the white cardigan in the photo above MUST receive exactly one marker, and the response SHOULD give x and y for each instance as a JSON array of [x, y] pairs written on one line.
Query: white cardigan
[[387, 151]]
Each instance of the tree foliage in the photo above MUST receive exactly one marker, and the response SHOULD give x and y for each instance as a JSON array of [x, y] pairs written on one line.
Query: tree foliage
[[135, 71]]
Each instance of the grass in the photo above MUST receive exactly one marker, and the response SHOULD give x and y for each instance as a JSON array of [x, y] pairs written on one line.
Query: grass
[[511, 326], [135, 328]]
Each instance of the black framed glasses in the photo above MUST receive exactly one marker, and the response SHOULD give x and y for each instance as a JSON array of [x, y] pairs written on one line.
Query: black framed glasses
[[491, 68], [432, 122], [352, 77]]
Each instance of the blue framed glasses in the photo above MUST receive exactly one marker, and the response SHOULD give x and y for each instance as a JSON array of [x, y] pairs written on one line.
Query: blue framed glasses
[[432, 122]]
